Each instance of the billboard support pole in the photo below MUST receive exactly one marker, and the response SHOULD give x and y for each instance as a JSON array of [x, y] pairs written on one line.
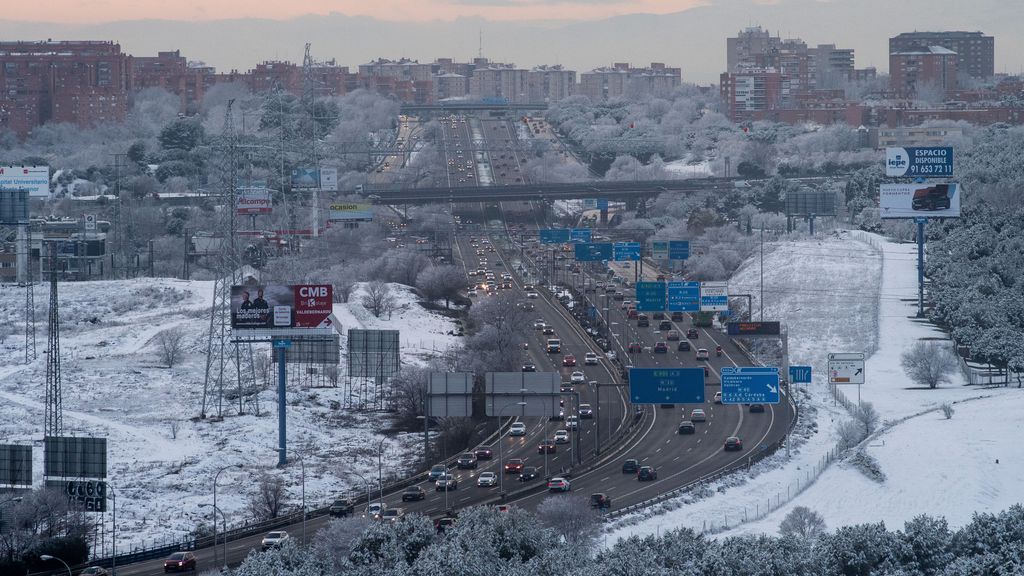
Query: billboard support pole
[[282, 374], [920, 267]]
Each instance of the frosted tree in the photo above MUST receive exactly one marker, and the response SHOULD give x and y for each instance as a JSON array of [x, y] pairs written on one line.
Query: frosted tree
[[928, 363], [802, 522]]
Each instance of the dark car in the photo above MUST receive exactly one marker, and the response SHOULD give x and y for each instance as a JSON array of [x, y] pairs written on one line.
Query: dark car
[[643, 321], [733, 443], [484, 453], [546, 447], [635, 348], [646, 474], [692, 334], [684, 346], [180, 562], [467, 460], [514, 466], [94, 571], [931, 198], [630, 466], [529, 367], [757, 407], [413, 493], [659, 315], [436, 472], [527, 473], [341, 507], [687, 427], [660, 348], [600, 501], [677, 316], [442, 523]]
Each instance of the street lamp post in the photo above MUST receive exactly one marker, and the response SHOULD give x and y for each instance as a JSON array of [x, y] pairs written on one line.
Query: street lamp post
[[113, 533], [380, 468], [224, 523], [215, 478], [501, 458], [47, 558]]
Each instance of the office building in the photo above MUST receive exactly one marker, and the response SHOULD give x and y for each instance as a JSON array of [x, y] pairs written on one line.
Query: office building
[[975, 51]]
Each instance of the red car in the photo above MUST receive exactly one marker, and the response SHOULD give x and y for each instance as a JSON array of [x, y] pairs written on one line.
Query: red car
[[546, 447], [484, 454], [568, 360], [660, 348], [180, 562], [514, 466], [635, 348]]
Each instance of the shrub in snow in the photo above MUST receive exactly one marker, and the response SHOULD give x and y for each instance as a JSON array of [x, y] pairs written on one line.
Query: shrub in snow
[[947, 410], [928, 363], [802, 522]]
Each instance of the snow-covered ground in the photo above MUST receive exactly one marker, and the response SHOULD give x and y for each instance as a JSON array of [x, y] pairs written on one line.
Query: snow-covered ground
[[115, 386], [685, 168], [856, 292]]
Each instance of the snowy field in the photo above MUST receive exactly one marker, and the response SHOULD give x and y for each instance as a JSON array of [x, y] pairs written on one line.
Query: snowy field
[[685, 168], [115, 386], [856, 292]]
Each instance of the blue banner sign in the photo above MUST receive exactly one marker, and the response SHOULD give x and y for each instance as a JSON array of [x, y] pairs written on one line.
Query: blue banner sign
[[750, 385], [580, 235], [666, 385], [554, 235], [800, 374], [626, 251], [650, 297], [927, 162], [593, 252], [684, 296], [602, 204], [678, 249]]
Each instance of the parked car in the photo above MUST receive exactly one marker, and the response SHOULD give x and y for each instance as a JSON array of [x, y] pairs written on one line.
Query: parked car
[[733, 443], [413, 493], [467, 460], [443, 523], [483, 453], [517, 429], [646, 474], [558, 484], [274, 539], [630, 466], [487, 479], [684, 346], [687, 427], [514, 466], [180, 562], [341, 507]]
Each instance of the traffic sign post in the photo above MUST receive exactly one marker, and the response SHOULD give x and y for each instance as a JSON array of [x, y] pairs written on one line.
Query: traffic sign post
[[683, 296], [580, 235], [650, 296], [593, 252], [626, 251], [800, 374], [750, 385], [846, 368], [678, 249], [666, 385], [714, 296]]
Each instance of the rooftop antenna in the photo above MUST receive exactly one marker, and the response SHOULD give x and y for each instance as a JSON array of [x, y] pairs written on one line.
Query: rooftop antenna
[[480, 49]]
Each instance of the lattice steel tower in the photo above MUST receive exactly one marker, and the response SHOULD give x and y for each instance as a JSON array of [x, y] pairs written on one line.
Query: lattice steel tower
[[54, 403]]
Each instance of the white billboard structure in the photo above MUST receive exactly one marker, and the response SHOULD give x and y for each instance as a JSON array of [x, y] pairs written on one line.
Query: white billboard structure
[[253, 201], [35, 179], [919, 200]]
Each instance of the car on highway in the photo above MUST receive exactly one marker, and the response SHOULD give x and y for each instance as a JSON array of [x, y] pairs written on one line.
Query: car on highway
[[677, 316], [718, 398], [642, 321], [568, 360], [94, 571], [646, 474], [180, 562], [341, 507], [375, 509], [698, 415], [547, 330], [632, 314], [586, 411], [672, 336], [577, 377], [626, 305], [546, 446], [630, 466], [757, 407], [274, 539], [514, 466], [436, 471], [467, 460], [600, 501], [565, 388], [483, 453], [413, 493], [658, 315], [487, 479], [664, 325], [539, 324], [393, 515], [660, 348], [472, 292], [635, 348], [529, 367], [702, 354], [590, 359], [528, 473], [683, 346], [558, 484], [572, 423], [517, 429], [561, 437], [446, 483], [554, 346], [687, 427], [733, 443], [692, 334], [532, 295]]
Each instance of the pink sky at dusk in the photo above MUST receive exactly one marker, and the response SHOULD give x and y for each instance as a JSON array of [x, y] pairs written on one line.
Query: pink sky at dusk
[[95, 11]]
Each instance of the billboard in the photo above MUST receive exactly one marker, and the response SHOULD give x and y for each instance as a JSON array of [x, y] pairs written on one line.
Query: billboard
[[320, 350], [88, 495], [925, 162], [450, 394], [916, 200], [35, 179], [373, 353], [74, 457], [253, 201], [281, 306], [15, 465], [309, 178], [714, 296], [13, 206], [349, 212], [805, 202]]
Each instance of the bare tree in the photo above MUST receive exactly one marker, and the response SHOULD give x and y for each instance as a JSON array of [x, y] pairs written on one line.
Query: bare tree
[[378, 298], [571, 517], [267, 501], [947, 410], [171, 345], [928, 364], [803, 523], [441, 282], [410, 393], [336, 541], [499, 328], [867, 417]]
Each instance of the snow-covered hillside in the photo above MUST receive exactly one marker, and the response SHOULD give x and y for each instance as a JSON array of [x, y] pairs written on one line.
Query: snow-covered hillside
[[115, 386]]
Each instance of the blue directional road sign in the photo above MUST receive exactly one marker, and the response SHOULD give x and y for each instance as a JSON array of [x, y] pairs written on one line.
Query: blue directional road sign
[[602, 204], [800, 374], [554, 235], [678, 249], [750, 385], [580, 235], [626, 251], [684, 296], [666, 385], [593, 251], [927, 162], [282, 343], [650, 296]]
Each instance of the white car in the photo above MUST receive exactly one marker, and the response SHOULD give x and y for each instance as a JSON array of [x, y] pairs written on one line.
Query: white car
[[274, 539], [517, 429], [718, 397], [532, 295], [590, 359], [539, 324], [578, 377], [561, 436], [698, 415], [375, 509], [487, 479], [702, 354], [572, 422], [586, 411]]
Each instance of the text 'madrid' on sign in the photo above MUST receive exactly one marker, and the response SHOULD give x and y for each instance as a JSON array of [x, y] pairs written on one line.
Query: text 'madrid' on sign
[[666, 385]]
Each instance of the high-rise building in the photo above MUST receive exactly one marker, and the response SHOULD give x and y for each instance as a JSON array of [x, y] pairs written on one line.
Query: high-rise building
[[550, 83], [752, 90], [931, 68], [621, 79], [975, 51], [750, 48], [80, 82], [499, 81]]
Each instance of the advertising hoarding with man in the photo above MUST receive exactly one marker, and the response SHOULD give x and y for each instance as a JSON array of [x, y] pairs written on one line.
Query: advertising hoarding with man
[[270, 307]]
